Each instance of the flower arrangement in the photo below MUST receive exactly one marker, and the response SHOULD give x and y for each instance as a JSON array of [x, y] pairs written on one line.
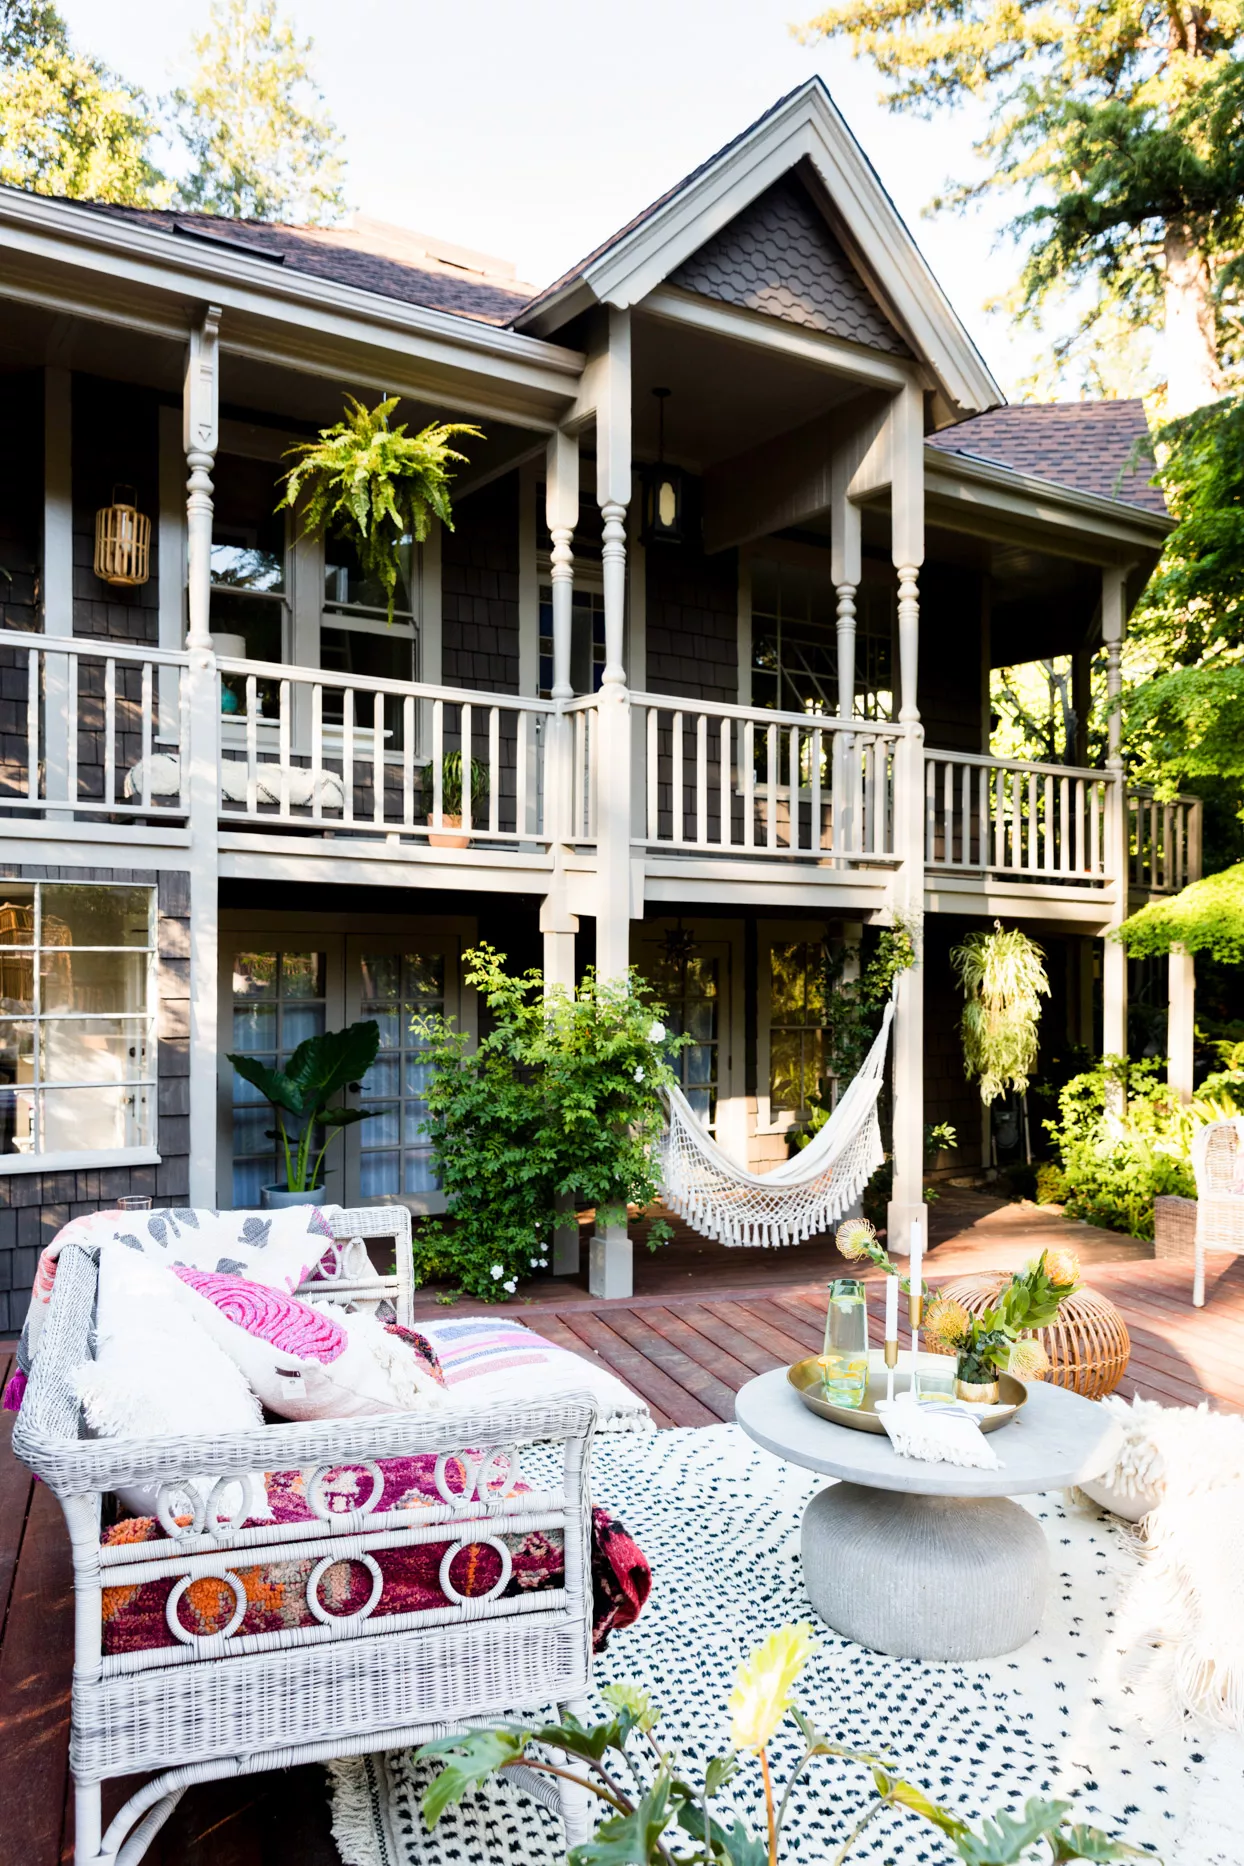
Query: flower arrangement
[[999, 1340], [654, 1816]]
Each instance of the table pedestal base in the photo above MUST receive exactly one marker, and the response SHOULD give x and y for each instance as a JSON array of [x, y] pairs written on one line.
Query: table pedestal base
[[925, 1577]]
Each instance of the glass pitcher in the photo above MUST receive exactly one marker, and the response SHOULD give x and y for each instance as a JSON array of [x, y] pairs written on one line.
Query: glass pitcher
[[844, 1363]]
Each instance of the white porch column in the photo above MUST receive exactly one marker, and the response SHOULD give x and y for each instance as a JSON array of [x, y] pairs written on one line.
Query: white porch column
[[56, 576], [907, 549], [200, 406], [845, 569], [1114, 958], [1180, 1020], [610, 1271]]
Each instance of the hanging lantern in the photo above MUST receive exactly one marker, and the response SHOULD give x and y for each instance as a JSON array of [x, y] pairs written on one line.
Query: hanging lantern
[[122, 542], [664, 491]]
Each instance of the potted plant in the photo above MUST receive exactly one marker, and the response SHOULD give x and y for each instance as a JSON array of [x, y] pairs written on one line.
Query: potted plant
[[451, 793], [318, 1069], [376, 485]]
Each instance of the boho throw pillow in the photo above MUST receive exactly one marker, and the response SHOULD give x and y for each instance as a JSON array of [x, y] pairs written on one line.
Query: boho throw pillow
[[485, 1358]]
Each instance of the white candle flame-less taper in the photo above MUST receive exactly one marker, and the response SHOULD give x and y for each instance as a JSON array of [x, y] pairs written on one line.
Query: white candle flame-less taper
[[891, 1333]]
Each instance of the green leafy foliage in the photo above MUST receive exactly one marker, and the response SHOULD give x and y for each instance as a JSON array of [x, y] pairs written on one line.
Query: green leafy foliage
[[1004, 981], [856, 1004], [653, 1815], [261, 143], [451, 781], [560, 1098], [318, 1069], [1206, 916], [376, 485]]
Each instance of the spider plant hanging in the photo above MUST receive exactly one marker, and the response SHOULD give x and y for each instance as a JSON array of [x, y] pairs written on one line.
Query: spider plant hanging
[[1003, 981], [376, 485]]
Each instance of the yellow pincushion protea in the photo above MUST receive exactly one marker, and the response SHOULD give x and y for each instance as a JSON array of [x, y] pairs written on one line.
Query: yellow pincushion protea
[[947, 1322], [1027, 1360], [856, 1238], [1063, 1268], [762, 1684]]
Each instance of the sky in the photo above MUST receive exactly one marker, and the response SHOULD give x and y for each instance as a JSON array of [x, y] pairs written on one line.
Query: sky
[[532, 131]]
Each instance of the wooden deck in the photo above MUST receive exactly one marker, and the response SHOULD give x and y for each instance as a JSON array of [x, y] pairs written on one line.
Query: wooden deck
[[688, 1351]]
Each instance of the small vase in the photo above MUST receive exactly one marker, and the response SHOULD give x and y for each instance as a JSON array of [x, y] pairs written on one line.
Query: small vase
[[276, 1198], [977, 1392]]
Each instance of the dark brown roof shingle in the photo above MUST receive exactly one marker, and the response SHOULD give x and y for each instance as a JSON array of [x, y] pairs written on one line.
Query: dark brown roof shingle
[[1096, 447]]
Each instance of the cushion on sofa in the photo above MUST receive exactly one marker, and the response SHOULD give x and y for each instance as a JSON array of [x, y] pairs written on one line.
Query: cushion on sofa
[[492, 1358]]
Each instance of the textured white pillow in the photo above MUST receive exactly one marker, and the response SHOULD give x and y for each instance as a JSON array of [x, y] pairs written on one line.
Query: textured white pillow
[[307, 1361], [156, 1371], [491, 1358]]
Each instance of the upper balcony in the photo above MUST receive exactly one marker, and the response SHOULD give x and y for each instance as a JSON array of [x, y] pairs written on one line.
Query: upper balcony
[[302, 767]]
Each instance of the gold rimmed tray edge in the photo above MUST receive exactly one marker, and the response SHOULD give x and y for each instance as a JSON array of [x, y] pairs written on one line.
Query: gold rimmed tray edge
[[805, 1377]]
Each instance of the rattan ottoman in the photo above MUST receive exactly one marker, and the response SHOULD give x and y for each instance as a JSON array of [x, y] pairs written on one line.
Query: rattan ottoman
[[1088, 1345]]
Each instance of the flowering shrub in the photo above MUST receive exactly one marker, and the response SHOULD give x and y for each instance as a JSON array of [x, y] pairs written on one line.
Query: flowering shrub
[[560, 1097]]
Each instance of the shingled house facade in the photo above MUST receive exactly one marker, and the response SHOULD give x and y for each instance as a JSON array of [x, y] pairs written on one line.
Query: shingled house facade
[[747, 531]]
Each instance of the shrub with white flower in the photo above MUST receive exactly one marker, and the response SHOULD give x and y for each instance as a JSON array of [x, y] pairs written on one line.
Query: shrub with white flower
[[559, 1101]]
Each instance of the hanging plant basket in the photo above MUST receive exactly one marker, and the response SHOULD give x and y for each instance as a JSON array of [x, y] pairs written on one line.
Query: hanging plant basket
[[122, 542]]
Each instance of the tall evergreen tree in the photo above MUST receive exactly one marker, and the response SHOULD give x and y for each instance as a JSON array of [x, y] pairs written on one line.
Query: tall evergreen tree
[[262, 145], [1122, 119], [68, 125]]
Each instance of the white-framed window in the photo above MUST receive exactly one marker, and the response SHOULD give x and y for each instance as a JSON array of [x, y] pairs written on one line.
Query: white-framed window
[[77, 1024], [279, 998], [797, 1017], [587, 633], [357, 635], [250, 577], [794, 643]]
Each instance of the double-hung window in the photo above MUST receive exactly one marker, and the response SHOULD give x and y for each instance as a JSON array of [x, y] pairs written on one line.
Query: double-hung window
[[358, 636], [77, 1021]]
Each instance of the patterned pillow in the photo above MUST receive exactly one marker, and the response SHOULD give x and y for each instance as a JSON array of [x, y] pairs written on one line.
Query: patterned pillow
[[278, 1248], [306, 1362], [486, 1358]]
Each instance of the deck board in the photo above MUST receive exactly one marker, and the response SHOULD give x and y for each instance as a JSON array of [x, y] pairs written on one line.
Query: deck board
[[686, 1343]]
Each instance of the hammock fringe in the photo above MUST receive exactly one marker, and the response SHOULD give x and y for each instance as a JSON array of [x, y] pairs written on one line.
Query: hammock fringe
[[799, 1198]]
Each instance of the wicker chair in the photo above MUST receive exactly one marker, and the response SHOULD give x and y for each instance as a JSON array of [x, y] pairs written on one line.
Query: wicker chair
[[1218, 1162], [231, 1704]]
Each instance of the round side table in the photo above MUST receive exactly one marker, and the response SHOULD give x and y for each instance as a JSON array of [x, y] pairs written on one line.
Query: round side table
[[929, 1561]]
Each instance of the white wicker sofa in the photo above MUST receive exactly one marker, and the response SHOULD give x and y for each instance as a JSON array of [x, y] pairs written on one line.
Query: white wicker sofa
[[227, 1704], [1218, 1163]]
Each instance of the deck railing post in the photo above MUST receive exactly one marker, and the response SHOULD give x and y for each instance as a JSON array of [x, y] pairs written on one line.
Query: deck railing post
[[1117, 865]]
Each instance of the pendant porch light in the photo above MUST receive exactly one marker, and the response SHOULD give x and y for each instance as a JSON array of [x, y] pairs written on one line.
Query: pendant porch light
[[664, 490], [122, 542]]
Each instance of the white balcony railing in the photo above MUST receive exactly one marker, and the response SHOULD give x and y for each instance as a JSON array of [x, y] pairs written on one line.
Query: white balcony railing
[[1164, 842], [83, 724], [743, 781], [1008, 816]]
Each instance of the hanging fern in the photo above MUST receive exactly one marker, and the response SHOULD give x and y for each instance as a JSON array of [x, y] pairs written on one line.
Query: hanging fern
[[1003, 981], [375, 484]]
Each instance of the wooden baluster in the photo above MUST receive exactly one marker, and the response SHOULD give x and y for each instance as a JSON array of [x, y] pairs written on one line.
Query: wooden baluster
[[438, 758], [652, 774], [377, 759], [724, 778], [701, 780], [110, 734], [1064, 805], [1095, 799], [678, 814], [795, 787], [580, 776], [523, 755], [1153, 842], [749, 784], [468, 740], [347, 753], [252, 746], [494, 770], [1168, 854], [74, 670], [284, 747], [1079, 854], [145, 787], [1048, 857], [408, 760], [1017, 821], [317, 752], [771, 785], [1033, 824], [816, 830]]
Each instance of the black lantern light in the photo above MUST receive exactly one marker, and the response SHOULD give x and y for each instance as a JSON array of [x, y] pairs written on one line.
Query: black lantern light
[[665, 490]]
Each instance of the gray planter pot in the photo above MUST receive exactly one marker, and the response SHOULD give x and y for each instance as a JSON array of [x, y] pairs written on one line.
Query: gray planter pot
[[276, 1198]]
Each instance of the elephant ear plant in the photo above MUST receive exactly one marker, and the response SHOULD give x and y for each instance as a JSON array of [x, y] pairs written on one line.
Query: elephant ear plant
[[300, 1093], [655, 1816]]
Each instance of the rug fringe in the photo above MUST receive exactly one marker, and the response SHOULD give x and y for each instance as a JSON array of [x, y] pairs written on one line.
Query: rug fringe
[[356, 1812]]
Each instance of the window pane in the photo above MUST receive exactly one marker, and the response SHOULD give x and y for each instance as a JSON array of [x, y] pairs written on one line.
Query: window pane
[[785, 1075], [89, 916], [254, 975], [93, 981], [254, 1029], [278, 1003], [382, 976], [17, 1131], [78, 1120], [378, 1175], [17, 914], [248, 533], [420, 1173], [425, 975], [302, 975], [345, 582], [17, 982], [103, 1049], [298, 1022], [258, 620], [17, 1052]]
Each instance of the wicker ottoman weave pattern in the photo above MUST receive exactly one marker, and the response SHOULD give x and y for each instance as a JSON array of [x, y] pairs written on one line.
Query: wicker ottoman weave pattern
[[1088, 1344]]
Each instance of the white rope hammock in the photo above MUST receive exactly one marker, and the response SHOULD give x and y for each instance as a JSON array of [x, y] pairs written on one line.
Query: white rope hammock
[[799, 1198]]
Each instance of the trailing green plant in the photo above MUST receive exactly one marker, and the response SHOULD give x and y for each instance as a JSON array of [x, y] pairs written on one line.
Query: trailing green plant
[[560, 1099], [376, 485], [655, 1816], [1003, 980], [318, 1069], [855, 1004]]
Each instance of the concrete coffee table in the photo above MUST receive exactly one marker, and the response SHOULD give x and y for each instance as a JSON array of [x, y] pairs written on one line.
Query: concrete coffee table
[[930, 1561]]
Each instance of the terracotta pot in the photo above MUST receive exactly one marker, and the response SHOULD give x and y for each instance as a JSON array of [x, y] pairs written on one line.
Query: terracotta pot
[[977, 1393], [437, 839]]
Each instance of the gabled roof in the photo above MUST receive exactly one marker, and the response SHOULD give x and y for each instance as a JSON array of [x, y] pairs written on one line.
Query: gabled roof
[[367, 254], [1095, 447], [804, 130]]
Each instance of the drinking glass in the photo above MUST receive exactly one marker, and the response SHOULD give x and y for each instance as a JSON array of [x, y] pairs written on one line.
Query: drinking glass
[[844, 1364], [134, 1203]]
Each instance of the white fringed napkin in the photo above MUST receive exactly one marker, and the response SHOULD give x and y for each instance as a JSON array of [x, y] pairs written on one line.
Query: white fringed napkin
[[936, 1432]]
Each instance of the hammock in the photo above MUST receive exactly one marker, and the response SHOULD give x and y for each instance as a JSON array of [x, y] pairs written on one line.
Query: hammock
[[799, 1198]]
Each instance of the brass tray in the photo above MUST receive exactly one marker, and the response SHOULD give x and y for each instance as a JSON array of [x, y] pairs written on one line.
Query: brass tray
[[805, 1377]]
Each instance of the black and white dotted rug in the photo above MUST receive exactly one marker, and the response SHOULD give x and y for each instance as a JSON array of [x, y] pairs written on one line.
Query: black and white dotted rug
[[719, 1520]]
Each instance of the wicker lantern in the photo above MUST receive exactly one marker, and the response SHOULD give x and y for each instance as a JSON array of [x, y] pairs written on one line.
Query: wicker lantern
[[122, 542], [1087, 1343]]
